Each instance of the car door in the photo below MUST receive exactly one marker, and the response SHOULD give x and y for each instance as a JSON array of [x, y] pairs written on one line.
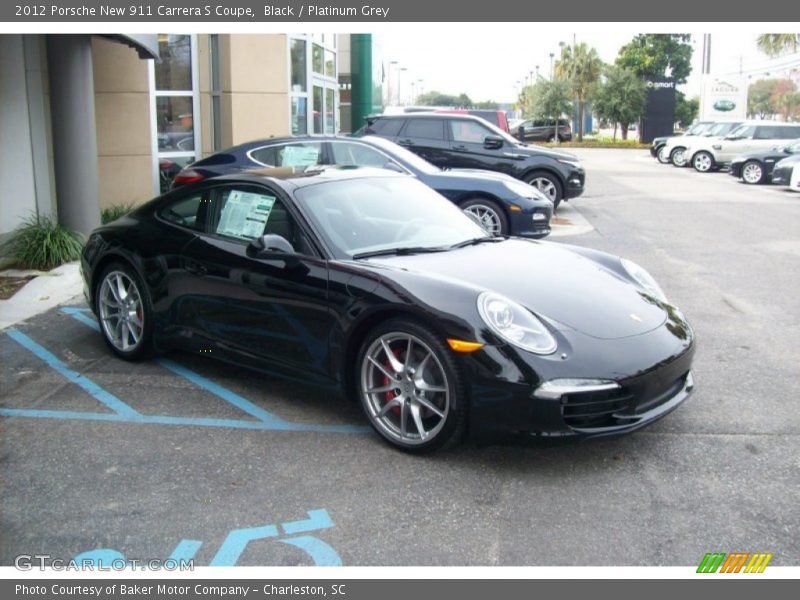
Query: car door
[[726, 148], [270, 310], [468, 150], [427, 138]]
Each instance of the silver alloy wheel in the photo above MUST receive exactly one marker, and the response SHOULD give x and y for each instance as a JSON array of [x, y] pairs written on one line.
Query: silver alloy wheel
[[662, 155], [544, 185], [678, 159], [488, 217], [405, 389], [702, 162], [752, 172], [121, 311]]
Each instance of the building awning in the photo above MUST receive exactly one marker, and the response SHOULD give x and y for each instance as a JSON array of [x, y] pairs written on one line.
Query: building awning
[[146, 44]]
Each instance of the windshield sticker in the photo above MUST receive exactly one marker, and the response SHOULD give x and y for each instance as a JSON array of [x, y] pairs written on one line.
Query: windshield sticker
[[245, 215]]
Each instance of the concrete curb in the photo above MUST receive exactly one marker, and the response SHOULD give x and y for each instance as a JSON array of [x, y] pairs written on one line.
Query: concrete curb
[[59, 286], [568, 221]]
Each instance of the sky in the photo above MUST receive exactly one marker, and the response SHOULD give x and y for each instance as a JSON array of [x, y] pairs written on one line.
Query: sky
[[487, 65]]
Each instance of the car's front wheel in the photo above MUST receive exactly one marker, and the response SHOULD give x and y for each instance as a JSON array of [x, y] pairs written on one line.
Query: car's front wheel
[[703, 162], [410, 387], [752, 172], [490, 215], [677, 157], [548, 184], [662, 155], [124, 312]]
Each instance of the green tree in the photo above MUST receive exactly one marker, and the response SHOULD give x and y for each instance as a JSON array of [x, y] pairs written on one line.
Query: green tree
[[581, 66], [486, 104], [686, 111], [546, 99], [759, 98], [619, 97], [774, 44], [434, 98], [785, 98], [654, 55]]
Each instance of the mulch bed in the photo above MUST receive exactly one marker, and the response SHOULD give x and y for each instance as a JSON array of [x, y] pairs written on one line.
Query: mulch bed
[[10, 285]]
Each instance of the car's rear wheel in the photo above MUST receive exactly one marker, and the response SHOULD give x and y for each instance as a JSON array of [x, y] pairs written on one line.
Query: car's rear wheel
[[703, 162], [752, 172], [677, 157], [548, 184], [410, 387], [490, 215], [662, 155], [124, 312]]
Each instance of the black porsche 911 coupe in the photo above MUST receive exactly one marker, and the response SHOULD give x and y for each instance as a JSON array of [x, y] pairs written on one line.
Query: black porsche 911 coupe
[[370, 283]]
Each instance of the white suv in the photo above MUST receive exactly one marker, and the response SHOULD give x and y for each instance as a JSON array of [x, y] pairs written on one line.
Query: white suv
[[675, 146], [705, 154]]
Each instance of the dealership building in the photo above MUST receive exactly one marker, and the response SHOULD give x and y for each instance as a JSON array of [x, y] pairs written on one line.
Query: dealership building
[[93, 121]]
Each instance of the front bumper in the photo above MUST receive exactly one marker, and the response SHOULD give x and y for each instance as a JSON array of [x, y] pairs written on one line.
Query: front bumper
[[533, 223], [735, 169], [576, 180], [782, 175]]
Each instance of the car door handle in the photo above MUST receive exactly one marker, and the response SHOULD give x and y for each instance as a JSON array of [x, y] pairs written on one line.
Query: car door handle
[[460, 147]]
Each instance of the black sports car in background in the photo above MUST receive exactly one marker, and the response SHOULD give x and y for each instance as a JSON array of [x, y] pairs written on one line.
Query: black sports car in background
[[783, 170], [368, 282], [503, 205], [756, 167]]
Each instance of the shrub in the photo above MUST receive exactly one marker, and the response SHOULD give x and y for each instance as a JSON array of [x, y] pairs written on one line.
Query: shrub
[[112, 213], [42, 243]]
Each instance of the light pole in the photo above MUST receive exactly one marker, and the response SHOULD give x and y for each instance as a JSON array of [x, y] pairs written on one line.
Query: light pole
[[537, 72], [389, 82], [552, 54], [400, 86]]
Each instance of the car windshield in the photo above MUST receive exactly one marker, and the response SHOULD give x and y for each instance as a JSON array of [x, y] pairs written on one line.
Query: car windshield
[[369, 215], [720, 129], [698, 128], [412, 160]]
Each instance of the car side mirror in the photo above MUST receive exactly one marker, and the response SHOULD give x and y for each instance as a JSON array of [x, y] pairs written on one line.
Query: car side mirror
[[273, 247], [492, 142]]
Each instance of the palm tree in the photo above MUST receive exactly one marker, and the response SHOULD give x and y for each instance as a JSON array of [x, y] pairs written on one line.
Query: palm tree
[[581, 66], [774, 44]]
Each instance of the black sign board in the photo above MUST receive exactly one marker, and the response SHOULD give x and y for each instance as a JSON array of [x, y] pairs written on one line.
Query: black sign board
[[659, 114]]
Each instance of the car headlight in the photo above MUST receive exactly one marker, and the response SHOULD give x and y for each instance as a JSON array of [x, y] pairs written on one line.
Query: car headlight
[[784, 162], [523, 189], [515, 324], [575, 164], [643, 278]]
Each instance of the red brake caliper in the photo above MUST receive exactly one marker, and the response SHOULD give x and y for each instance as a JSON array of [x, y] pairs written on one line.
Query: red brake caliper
[[391, 395]]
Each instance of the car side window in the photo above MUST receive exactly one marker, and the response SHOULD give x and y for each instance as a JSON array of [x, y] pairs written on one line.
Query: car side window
[[189, 211], [428, 129], [350, 153], [468, 132], [789, 133], [386, 127], [300, 154], [767, 132], [745, 133]]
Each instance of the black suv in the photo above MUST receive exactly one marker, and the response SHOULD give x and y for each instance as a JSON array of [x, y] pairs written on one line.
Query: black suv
[[457, 141], [543, 130]]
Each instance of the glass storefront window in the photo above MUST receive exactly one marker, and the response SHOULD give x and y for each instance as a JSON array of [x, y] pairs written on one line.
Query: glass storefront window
[[174, 72], [298, 51], [175, 123], [168, 167], [330, 107], [318, 109], [330, 63], [317, 54], [299, 115]]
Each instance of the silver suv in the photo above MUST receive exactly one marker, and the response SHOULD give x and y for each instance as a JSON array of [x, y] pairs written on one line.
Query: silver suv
[[674, 148], [706, 154]]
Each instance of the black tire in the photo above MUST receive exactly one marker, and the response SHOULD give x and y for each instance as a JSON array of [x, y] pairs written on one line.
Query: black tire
[[661, 156], [389, 410], [491, 209], [558, 194], [752, 172], [703, 162], [674, 153], [141, 312]]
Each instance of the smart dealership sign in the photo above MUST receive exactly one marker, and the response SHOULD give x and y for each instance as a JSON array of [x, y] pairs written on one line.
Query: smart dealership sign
[[723, 98]]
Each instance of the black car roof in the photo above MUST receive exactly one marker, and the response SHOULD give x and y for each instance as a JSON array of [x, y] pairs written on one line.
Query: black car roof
[[305, 176]]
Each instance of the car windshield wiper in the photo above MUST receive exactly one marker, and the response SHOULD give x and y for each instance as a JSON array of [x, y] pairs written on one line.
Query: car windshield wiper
[[402, 251], [476, 241]]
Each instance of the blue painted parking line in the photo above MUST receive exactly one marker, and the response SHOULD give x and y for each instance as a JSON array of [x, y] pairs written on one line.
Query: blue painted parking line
[[125, 414], [107, 398]]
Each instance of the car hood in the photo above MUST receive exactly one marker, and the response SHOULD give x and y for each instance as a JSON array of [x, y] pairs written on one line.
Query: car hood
[[791, 159], [477, 174], [568, 289]]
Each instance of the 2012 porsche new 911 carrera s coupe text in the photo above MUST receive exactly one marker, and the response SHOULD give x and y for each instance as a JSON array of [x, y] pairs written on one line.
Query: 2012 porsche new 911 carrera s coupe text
[[370, 283]]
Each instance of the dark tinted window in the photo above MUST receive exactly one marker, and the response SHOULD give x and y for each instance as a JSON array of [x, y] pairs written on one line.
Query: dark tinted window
[[768, 132], [789, 133], [386, 127], [428, 129], [190, 211], [488, 115]]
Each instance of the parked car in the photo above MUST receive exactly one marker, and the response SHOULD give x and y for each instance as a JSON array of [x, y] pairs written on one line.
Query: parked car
[[675, 147], [785, 172], [756, 167], [659, 143], [538, 130], [466, 142], [504, 205], [368, 283], [712, 153]]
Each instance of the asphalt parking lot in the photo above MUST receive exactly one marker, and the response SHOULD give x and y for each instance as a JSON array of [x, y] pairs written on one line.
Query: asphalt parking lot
[[184, 457]]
